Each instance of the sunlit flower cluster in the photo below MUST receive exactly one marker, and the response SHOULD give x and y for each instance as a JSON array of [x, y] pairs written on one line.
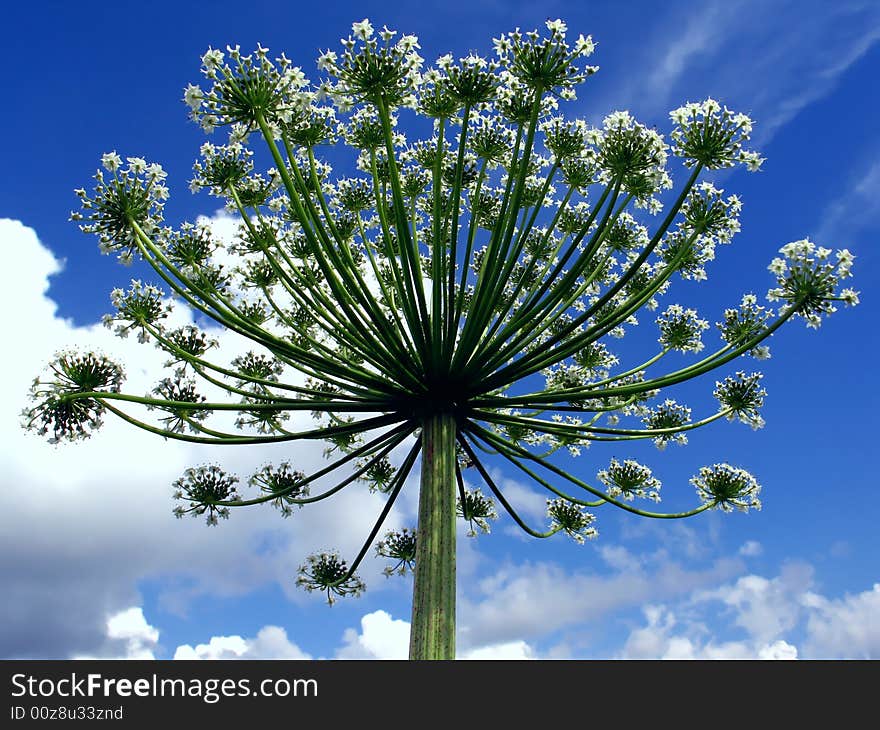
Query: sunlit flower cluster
[[56, 413], [476, 509], [123, 205], [630, 479], [246, 89], [571, 519], [283, 483], [727, 488], [808, 279], [713, 136], [742, 396]]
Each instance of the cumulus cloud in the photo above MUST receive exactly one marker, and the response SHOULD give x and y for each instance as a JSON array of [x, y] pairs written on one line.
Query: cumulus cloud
[[531, 600], [271, 642], [380, 637], [664, 637], [751, 549], [384, 637], [775, 618], [845, 626], [86, 523]]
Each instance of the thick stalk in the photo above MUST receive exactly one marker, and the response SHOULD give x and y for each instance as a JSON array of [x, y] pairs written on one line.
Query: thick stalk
[[433, 613]]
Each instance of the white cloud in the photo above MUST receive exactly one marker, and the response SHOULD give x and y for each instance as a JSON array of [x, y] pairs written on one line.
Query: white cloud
[[86, 523], [855, 210], [846, 626], [750, 549], [531, 600], [129, 636], [131, 626], [765, 608], [508, 650], [664, 637], [380, 637], [720, 47], [271, 642], [384, 637], [779, 618]]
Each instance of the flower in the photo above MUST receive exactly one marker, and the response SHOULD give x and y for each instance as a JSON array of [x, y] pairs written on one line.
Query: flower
[[399, 546], [59, 408], [124, 207], [669, 416], [204, 488], [283, 483], [712, 136], [327, 572], [807, 279], [630, 479], [363, 30], [571, 519], [681, 329], [727, 488], [476, 510], [742, 396]]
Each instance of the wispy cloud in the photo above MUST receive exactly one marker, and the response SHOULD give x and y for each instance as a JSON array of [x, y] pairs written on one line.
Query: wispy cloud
[[855, 210], [769, 59]]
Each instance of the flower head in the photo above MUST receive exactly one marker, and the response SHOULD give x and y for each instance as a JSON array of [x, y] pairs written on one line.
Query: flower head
[[203, 489], [727, 487], [743, 396], [807, 279], [668, 417], [476, 510], [283, 483], [58, 408], [123, 206], [629, 479], [712, 135], [399, 546], [571, 519], [681, 329], [327, 572]]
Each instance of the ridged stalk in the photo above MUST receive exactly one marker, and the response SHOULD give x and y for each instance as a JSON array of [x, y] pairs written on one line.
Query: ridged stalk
[[433, 613]]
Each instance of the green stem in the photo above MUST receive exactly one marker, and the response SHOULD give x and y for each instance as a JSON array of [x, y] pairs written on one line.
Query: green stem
[[432, 633]]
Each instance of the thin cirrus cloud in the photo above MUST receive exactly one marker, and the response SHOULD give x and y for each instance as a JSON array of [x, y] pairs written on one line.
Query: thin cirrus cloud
[[854, 210], [797, 50]]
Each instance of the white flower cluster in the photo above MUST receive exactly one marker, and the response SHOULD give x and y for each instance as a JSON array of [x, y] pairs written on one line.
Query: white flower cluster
[[221, 168], [630, 479], [681, 329], [132, 198], [476, 510], [635, 156], [141, 305], [746, 323], [247, 89], [55, 412], [808, 278], [727, 487], [712, 135], [571, 519], [371, 68], [743, 396], [668, 416], [547, 62]]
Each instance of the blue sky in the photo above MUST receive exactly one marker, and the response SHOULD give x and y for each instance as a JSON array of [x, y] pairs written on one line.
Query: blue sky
[[92, 562]]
